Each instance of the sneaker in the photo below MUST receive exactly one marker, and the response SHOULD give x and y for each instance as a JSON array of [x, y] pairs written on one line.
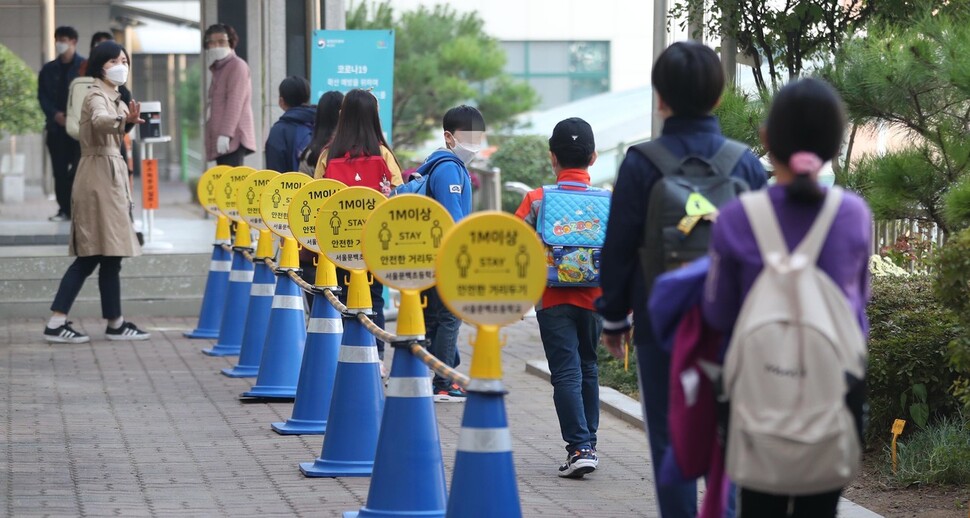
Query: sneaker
[[65, 334], [127, 331], [60, 216], [579, 463], [452, 394]]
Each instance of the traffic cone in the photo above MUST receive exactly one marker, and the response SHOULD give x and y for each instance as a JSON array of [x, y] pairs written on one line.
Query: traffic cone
[[279, 367], [214, 300], [257, 314], [315, 386], [358, 396], [483, 483], [408, 441], [234, 312]]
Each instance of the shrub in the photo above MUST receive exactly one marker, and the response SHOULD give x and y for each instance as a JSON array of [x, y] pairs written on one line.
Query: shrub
[[19, 112], [909, 333], [523, 159], [612, 374], [952, 285], [939, 454]]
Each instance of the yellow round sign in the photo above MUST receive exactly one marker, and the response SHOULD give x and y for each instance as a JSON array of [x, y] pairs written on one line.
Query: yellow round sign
[[304, 207], [208, 187], [401, 240], [274, 202], [340, 224], [491, 269], [248, 197], [227, 188]]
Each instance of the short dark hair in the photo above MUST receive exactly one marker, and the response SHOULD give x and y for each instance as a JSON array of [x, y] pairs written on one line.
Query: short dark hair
[[221, 28], [65, 31], [295, 91], [689, 78], [100, 36], [463, 118], [806, 115], [102, 54]]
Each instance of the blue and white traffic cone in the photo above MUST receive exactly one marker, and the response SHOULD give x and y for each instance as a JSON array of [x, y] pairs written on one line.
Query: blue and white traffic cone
[[483, 483], [279, 367], [257, 315], [237, 301], [358, 397], [408, 442], [214, 300], [315, 387]]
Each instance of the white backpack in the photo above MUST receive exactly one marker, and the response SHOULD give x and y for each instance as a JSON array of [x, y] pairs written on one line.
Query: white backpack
[[75, 101], [795, 345]]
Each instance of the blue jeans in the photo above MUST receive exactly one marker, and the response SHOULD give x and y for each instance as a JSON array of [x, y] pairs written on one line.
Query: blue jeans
[[678, 501], [441, 328], [570, 335]]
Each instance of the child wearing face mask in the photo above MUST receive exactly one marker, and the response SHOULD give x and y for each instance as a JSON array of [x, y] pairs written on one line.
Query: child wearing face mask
[[229, 130], [102, 232], [449, 182]]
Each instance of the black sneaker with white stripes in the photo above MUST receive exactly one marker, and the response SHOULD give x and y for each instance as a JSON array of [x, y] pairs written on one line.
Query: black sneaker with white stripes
[[65, 334], [127, 331], [579, 463]]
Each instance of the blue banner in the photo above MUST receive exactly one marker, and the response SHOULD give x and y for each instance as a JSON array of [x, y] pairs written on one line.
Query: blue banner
[[344, 60]]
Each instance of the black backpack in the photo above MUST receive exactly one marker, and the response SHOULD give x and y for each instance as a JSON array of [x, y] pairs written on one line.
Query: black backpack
[[671, 237]]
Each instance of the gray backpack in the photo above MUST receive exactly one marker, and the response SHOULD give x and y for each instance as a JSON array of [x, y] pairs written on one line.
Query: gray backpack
[[671, 238], [795, 349]]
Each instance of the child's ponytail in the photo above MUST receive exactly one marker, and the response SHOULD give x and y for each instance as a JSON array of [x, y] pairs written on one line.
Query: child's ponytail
[[805, 188]]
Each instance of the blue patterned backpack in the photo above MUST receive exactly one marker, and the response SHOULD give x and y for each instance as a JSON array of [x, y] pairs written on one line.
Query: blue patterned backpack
[[572, 224]]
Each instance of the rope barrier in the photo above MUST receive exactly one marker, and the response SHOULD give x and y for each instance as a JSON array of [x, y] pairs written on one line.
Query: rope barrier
[[415, 347], [226, 247]]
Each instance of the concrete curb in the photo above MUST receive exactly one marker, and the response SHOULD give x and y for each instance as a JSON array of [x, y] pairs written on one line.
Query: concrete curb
[[629, 410]]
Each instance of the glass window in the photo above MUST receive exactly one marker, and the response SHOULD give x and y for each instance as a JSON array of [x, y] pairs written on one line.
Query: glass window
[[548, 57], [589, 56], [554, 91], [514, 57], [560, 71]]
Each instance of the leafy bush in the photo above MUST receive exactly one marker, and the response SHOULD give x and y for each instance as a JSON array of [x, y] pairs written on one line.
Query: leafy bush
[[909, 333], [939, 454], [952, 285], [741, 115], [612, 374], [523, 159], [19, 111]]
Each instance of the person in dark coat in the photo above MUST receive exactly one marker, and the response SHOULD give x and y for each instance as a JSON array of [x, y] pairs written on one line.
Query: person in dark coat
[[290, 135]]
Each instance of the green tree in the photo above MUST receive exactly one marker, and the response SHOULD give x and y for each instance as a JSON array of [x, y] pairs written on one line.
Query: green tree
[[741, 114], [442, 59], [188, 98], [20, 112], [915, 77], [523, 159]]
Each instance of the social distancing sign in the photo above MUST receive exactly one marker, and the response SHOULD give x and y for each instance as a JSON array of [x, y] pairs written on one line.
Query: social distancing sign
[[402, 238], [491, 269], [340, 225], [207, 188], [226, 190], [274, 202], [304, 207], [248, 197]]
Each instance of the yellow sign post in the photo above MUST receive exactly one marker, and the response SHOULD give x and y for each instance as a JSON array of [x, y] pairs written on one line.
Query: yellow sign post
[[898, 426], [208, 187], [401, 240], [340, 224], [248, 197], [274, 201], [490, 271], [227, 188]]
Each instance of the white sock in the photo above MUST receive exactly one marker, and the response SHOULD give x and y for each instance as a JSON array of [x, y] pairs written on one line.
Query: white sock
[[116, 323], [57, 321]]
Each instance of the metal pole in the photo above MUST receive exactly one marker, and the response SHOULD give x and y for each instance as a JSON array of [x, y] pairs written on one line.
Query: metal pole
[[47, 54], [659, 44]]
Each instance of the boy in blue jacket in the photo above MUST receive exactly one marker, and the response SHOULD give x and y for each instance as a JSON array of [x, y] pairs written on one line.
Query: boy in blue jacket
[[291, 133], [689, 81], [446, 179]]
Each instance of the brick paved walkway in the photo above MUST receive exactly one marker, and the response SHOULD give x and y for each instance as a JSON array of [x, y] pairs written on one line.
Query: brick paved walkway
[[152, 429]]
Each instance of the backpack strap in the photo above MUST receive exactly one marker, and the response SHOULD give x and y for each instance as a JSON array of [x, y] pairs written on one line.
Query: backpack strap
[[662, 159], [812, 244], [727, 156], [764, 224]]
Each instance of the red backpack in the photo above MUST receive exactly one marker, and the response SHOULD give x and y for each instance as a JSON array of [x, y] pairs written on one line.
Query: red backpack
[[364, 171]]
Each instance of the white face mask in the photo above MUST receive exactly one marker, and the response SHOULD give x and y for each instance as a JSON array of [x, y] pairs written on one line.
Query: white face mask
[[216, 53], [118, 74], [464, 149], [61, 47]]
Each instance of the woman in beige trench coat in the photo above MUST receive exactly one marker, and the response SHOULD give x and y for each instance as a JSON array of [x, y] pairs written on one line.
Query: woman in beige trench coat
[[101, 226]]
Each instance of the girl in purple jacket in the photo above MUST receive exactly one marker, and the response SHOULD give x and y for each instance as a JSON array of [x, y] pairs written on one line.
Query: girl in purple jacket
[[804, 130]]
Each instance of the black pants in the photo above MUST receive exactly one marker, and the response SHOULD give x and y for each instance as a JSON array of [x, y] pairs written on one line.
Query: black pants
[[754, 504], [234, 159], [109, 282], [65, 154]]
